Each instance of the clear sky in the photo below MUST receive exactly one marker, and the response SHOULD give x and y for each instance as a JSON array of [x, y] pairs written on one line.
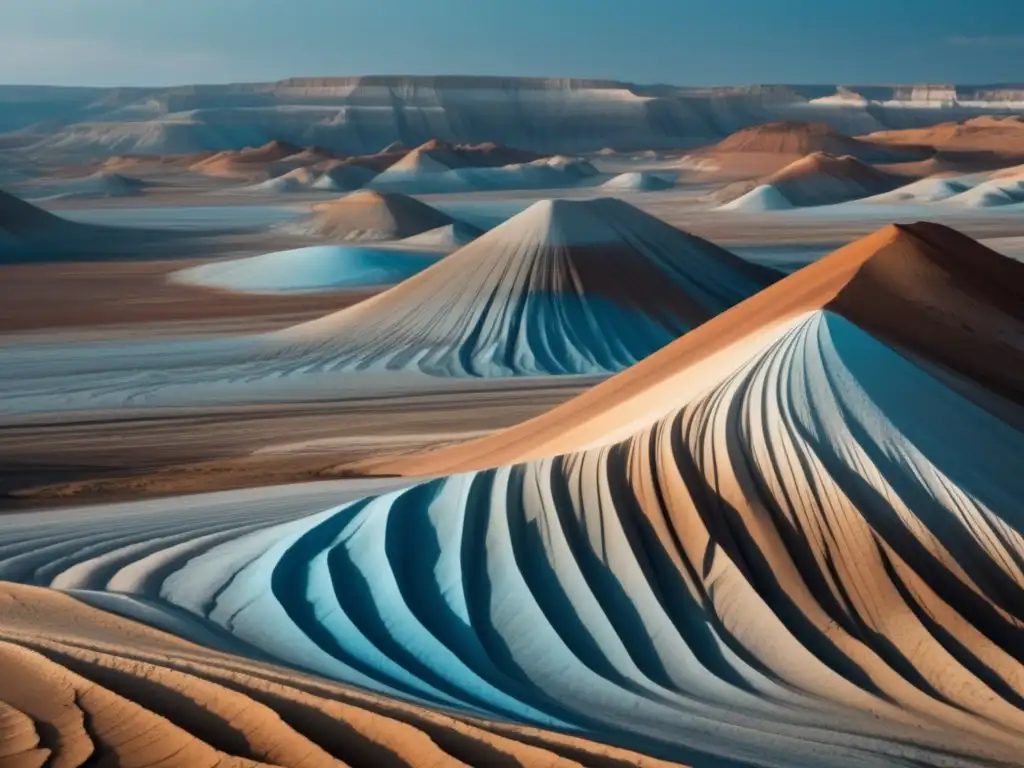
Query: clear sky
[[160, 42]]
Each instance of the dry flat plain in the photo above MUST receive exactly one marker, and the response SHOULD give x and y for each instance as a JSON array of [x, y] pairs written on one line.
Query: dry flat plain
[[589, 441]]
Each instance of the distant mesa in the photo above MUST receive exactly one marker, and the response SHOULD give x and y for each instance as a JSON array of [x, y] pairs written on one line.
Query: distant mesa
[[369, 215], [638, 182], [562, 288]]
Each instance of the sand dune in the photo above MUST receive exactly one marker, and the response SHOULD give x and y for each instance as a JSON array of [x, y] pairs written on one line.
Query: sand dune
[[564, 287], [297, 180], [795, 138], [816, 179], [372, 216], [638, 182], [760, 199], [358, 115]]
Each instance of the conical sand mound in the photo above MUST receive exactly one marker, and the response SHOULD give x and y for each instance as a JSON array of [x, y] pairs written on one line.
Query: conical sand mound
[[564, 287], [373, 216], [824, 179]]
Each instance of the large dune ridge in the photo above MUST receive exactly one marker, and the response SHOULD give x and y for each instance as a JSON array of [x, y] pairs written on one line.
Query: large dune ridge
[[790, 538], [372, 215], [564, 287]]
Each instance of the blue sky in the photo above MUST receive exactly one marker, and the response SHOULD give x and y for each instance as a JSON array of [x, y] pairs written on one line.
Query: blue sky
[[158, 42]]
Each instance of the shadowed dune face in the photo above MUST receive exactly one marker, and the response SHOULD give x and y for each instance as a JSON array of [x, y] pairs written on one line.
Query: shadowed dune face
[[564, 287]]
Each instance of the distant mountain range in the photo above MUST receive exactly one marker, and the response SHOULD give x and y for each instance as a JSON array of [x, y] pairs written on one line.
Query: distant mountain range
[[364, 114]]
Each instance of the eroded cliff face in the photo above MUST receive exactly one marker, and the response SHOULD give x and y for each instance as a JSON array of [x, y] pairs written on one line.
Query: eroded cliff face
[[363, 114]]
